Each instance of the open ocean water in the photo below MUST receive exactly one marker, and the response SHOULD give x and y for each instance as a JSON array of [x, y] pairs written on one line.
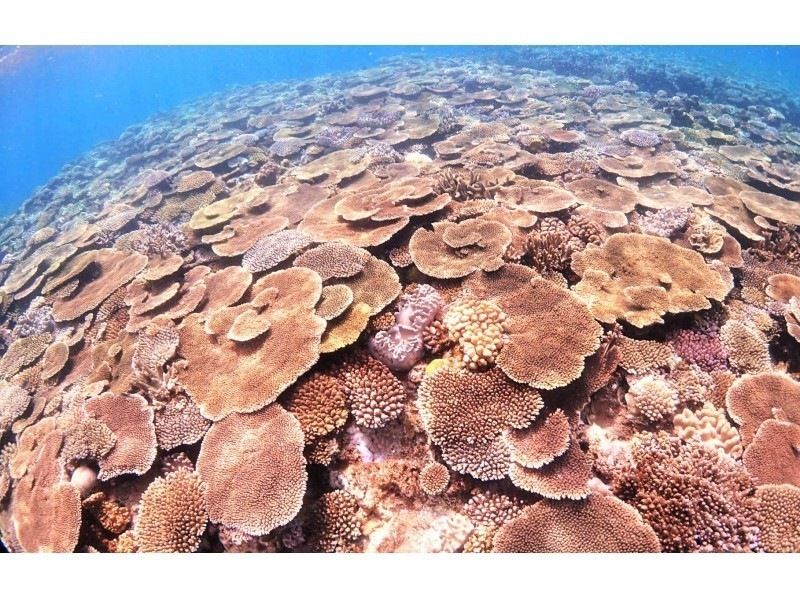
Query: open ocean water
[[57, 102]]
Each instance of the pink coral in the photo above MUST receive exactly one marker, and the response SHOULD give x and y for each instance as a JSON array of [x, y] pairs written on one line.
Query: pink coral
[[402, 345]]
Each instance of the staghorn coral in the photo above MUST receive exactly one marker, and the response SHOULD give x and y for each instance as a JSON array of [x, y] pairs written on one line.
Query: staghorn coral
[[550, 251], [464, 186]]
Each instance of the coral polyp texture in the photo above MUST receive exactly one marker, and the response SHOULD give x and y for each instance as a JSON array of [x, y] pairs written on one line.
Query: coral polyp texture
[[496, 304]]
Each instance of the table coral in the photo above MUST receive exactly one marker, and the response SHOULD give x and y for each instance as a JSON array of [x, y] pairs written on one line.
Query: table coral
[[640, 278]]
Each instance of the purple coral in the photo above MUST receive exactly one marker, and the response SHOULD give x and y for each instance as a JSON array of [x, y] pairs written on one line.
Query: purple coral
[[702, 347], [378, 119], [336, 137], [160, 239], [641, 138], [402, 346], [665, 223], [36, 320]]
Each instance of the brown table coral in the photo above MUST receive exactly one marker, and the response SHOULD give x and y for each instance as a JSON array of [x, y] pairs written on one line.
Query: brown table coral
[[641, 278]]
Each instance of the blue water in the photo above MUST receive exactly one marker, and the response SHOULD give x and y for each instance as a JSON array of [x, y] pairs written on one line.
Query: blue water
[[56, 103]]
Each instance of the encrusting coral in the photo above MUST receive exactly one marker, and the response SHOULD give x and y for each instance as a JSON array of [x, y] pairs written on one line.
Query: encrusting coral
[[511, 302]]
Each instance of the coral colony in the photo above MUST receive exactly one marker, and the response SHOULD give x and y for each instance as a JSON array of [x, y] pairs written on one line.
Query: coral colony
[[453, 305]]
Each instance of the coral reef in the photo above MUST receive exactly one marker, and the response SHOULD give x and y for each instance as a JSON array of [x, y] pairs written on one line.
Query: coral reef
[[527, 301]]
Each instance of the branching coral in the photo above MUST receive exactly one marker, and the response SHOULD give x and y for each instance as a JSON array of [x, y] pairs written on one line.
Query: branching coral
[[319, 402], [550, 251], [479, 327], [335, 522], [172, 514], [746, 346], [375, 396], [652, 398], [434, 478], [696, 499], [14, 400], [779, 517]]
